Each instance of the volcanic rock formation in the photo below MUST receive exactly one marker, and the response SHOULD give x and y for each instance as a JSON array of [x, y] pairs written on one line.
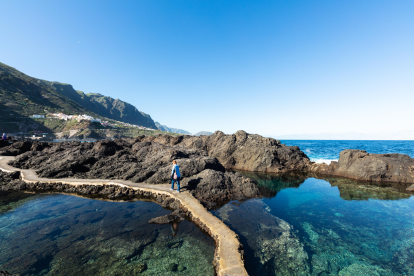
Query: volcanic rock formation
[[138, 160], [359, 164], [243, 151]]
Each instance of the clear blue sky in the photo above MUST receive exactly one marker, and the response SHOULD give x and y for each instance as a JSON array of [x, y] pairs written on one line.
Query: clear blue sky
[[276, 68]]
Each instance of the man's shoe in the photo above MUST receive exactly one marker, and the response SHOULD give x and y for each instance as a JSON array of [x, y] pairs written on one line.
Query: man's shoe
[[171, 189]]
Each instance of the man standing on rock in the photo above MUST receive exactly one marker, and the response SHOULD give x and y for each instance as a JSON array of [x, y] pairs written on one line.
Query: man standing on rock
[[175, 176], [4, 137]]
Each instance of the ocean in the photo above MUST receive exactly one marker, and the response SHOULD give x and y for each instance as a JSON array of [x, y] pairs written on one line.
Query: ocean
[[325, 151]]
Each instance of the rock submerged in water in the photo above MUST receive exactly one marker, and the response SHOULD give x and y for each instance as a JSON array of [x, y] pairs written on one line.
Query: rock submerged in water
[[5, 273], [363, 269], [140, 268], [172, 267], [180, 268]]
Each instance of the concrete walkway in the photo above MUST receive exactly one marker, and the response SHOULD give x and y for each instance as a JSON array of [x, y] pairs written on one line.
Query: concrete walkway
[[227, 256]]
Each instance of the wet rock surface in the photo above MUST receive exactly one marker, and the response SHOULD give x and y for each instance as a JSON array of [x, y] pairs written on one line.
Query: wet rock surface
[[359, 164]]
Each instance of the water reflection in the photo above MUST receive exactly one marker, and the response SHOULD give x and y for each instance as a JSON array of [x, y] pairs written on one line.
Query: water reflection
[[174, 227], [349, 189], [54, 234], [335, 226]]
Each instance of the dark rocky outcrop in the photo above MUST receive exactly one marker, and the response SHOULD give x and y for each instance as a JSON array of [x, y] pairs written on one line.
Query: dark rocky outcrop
[[210, 186], [16, 148], [138, 160], [243, 151], [148, 159], [4, 143], [359, 164]]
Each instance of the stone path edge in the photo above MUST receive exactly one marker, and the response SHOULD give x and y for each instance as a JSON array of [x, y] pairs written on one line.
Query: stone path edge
[[228, 255]]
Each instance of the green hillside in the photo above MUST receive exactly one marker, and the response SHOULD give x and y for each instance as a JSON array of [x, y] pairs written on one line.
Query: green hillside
[[27, 96], [105, 106], [22, 96]]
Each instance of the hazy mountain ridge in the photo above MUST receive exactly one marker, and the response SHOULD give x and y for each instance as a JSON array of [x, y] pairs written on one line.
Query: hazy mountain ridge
[[169, 129], [203, 133]]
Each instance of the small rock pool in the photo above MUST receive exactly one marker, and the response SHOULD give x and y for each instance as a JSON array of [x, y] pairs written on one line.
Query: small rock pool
[[331, 226], [56, 234]]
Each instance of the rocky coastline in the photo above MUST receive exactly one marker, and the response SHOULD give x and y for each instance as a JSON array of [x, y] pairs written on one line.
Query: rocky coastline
[[360, 165], [204, 161]]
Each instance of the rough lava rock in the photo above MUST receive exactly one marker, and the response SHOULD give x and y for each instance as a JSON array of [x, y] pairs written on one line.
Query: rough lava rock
[[243, 151], [143, 159], [4, 143], [359, 164], [148, 159], [16, 148], [211, 186]]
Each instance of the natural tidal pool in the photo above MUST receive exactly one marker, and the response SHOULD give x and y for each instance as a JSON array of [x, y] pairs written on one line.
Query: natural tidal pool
[[331, 226], [55, 234]]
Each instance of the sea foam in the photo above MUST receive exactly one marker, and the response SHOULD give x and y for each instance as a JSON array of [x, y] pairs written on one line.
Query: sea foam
[[322, 160]]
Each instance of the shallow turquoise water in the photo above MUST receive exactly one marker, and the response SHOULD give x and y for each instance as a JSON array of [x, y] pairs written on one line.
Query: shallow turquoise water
[[324, 227], [54, 234]]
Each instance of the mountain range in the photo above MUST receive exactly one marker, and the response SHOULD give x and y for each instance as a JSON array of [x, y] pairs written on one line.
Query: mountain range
[[22, 96], [203, 133], [106, 106], [170, 129]]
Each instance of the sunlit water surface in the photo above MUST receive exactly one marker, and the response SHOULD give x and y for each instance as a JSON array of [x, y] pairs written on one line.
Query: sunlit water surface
[[309, 226], [54, 234], [328, 150]]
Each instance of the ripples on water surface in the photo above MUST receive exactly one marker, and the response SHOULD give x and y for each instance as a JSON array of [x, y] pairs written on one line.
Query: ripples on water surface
[[309, 226], [54, 234]]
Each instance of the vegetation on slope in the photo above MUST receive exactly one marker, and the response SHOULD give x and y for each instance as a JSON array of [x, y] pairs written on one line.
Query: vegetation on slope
[[22, 96], [105, 106]]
